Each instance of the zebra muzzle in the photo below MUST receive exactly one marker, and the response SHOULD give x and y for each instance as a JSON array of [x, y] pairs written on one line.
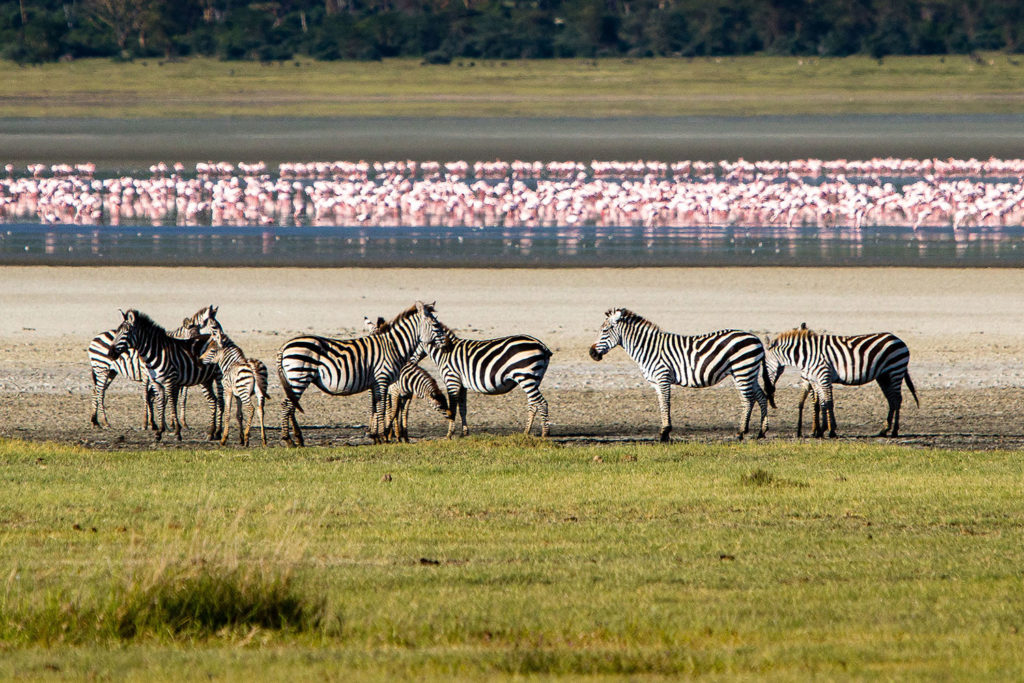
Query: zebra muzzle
[[594, 353]]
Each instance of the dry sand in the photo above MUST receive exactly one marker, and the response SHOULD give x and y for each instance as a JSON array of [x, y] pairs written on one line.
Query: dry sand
[[964, 328]]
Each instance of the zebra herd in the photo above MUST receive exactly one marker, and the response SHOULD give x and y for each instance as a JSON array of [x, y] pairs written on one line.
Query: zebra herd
[[385, 363]]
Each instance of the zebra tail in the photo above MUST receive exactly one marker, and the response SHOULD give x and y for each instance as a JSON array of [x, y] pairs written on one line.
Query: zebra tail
[[910, 385], [769, 385], [259, 371], [284, 384]]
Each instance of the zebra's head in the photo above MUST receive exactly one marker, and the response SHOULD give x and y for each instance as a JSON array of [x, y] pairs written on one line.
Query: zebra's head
[[124, 336], [202, 317], [772, 363], [610, 335], [779, 352], [433, 333], [214, 345]]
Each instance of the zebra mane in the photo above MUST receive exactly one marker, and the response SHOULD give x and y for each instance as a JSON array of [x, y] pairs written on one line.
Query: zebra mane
[[802, 332], [628, 316], [404, 315], [142, 320]]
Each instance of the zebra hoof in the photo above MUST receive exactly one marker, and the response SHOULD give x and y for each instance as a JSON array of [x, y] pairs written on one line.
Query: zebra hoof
[[664, 436], [760, 435]]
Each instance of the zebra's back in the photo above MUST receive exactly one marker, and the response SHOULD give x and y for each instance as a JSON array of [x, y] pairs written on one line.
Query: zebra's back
[[335, 366], [495, 365], [706, 359], [863, 358]]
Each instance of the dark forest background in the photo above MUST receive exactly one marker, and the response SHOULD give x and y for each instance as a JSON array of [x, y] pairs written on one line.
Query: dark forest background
[[440, 30]]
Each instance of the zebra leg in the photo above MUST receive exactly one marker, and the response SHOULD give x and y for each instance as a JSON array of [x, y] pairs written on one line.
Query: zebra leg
[[99, 393], [800, 411], [263, 430], [536, 403], [403, 427], [894, 396], [751, 393], [161, 404], [214, 399], [378, 394], [828, 413], [149, 398], [462, 410], [229, 394], [183, 395], [174, 412], [745, 411], [664, 391]]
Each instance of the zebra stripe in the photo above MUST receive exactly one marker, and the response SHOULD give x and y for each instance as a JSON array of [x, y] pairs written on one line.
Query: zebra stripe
[[343, 367], [244, 379], [105, 370], [828, 359], [690, 361], [412, 381], [170, 363], [487, 366]]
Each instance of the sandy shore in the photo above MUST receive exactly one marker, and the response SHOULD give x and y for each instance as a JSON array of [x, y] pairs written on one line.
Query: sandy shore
[[963, 327]]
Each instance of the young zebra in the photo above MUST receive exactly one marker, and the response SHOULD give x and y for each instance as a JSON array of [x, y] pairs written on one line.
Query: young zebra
[[171, 363], [342, 367], [244, 379], [487, 366], [412, 381], [106, 369], [690, 361], [827, 359]]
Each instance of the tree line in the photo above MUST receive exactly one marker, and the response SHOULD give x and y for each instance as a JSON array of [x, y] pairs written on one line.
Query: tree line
[[440, 30]]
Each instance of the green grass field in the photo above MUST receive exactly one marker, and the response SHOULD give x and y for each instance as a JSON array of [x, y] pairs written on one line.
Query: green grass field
[[740, 86], [485, 557]]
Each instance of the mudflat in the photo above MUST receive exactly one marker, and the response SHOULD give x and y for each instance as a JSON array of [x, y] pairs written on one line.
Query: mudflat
[[962, 325]]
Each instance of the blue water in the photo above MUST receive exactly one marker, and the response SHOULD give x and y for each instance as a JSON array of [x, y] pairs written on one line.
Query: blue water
[[36, 244]]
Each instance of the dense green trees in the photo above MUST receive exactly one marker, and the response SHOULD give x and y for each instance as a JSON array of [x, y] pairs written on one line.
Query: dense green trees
[[439, 30]]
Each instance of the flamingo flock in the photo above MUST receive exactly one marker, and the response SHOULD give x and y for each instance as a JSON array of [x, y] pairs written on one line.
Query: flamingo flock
[[808, 193]]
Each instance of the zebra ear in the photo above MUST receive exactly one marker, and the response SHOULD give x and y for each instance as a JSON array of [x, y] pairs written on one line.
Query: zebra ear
[[213, 311], [803, 326], [124, 316]]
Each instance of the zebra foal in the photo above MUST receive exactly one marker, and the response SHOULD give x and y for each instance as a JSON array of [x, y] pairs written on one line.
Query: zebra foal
[[105, 369], [828, 359], [171, 364], [244, 379], [690, 361], [413, 381], [342, 367], [487, 366]]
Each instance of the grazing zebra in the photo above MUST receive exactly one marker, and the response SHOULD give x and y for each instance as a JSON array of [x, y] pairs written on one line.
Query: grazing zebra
[[244, 379], [412, 381], [171, 363], [105, 369], [342, 367], [487, 366], [827, 359], [690, 361]]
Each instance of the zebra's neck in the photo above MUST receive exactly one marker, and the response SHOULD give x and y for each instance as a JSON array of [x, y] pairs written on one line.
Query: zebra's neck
[[636, 338]]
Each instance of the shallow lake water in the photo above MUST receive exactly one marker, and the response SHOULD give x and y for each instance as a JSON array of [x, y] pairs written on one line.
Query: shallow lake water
[[506, 247]]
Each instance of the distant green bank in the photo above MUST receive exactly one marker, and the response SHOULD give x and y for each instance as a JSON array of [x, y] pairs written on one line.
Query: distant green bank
[[486, 557], [726, 86]]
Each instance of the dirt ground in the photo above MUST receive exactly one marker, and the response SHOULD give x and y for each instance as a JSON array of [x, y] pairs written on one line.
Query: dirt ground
[[964, 328]]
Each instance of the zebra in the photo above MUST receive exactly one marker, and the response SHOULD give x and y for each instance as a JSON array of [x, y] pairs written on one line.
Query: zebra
[[487, 366], [690, 361], [827, 359], [412, 381], [342, 367], [244, 379], [171, 363], [105, 369]]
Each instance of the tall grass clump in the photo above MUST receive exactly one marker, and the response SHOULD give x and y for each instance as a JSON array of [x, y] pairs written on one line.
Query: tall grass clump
[[200, 585]]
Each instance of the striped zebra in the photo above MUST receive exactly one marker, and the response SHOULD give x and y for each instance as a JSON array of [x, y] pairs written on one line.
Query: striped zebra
[[487, 366], [827, 359], [690, 361], [244, 379], [342, 367], [105, 369], [412, 381], [171, 363]]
